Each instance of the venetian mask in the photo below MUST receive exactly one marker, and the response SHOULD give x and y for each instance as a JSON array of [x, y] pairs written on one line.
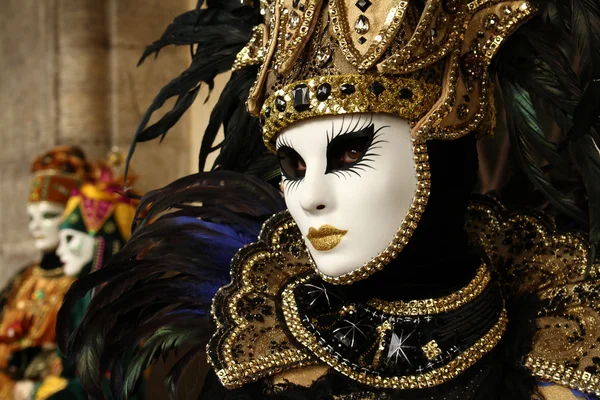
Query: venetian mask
[[349, 182], [44, 221], [76, 250]]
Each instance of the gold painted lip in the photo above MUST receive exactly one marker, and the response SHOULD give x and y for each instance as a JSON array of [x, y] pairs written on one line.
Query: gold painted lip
[[326, 237]]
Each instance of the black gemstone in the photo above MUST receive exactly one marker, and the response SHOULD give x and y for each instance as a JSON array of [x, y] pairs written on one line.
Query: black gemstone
[[280, 104], [362, 40], [405, 93], [347, 88], [302, 7], [466, 98], [323, 92], [301, 98], [433, 32], [295, 3], [376, 88], [363, 5], [268, 112]]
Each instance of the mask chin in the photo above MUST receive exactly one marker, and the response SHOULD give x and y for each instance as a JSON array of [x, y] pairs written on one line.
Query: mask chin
[[356, 215], [76, 250]]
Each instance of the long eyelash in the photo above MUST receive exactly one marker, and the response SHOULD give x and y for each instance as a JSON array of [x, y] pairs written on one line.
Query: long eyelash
[[368, 157], [283, 141], [291, 184]]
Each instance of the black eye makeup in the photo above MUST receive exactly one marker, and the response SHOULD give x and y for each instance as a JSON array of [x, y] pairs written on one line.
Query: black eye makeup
[[292, 164], [50, 215], [349, 151], [352, 152]]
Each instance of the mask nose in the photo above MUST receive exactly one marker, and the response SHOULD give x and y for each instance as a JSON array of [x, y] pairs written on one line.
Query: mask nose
[[314, 196], [34, 224]]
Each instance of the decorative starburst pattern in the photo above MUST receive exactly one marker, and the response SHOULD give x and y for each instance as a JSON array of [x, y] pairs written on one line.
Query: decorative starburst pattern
[[351, 331], [319, 291], [398, 345]]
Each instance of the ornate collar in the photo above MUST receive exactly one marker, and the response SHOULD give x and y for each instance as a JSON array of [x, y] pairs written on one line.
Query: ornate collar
[[277, 314]]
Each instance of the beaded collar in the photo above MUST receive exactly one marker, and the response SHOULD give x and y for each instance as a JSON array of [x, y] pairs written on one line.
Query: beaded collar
[[277, 314]]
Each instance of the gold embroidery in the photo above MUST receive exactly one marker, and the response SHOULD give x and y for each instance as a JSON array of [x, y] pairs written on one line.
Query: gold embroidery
[[533, 258], [250, 343]]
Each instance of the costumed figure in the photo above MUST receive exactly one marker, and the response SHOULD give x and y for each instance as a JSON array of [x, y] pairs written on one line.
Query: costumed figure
[[30, 302], [95, 225], [373, 273]]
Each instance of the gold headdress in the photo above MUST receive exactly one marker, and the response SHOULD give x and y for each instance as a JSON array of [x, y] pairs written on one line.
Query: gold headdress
[[428, 65], [57, 173]]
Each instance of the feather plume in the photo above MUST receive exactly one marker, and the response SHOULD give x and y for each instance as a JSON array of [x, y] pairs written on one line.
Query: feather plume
[[215, 35]]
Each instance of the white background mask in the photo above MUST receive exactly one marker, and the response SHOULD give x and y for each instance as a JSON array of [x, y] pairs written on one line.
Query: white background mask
[[76, 250], [369, 199], [44, 220]]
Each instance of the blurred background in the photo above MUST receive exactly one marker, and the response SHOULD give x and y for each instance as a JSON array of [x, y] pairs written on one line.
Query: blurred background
[[68, 76]]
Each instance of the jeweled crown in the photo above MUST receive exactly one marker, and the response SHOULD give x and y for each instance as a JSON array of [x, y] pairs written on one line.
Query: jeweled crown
[[426, 61]]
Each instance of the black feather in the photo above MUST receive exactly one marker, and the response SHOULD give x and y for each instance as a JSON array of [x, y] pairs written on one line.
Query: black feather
[[215, 34], [156, 293]]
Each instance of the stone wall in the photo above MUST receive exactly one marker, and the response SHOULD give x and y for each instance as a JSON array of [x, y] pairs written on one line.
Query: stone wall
[[68, 76]]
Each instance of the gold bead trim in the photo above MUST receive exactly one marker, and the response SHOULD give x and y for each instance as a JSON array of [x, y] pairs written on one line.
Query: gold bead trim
[[432, 350], [288, 52], [255, 51], [435, 377], [433, 125], [440, 305], [48, 273], [420, 98], [233, 372], [404, 233], [238, 373], [563, 375]]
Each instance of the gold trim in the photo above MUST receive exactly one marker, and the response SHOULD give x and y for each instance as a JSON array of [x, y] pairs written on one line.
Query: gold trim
[[428, 379], [48, 273], [289, 54], [53, 172], [565, 376], [440, 305], [423, 97], [387, 33], [255, 51], [235, 373], [434, 125], [404, 233]]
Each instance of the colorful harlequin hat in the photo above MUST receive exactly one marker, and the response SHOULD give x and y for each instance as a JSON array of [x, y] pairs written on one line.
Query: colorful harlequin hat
[[57, 173], [101, 210], [428, 65]]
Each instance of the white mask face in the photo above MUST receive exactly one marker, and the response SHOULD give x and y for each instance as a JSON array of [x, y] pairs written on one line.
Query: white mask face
[[349, 181], [76, 250], [44, 220]]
